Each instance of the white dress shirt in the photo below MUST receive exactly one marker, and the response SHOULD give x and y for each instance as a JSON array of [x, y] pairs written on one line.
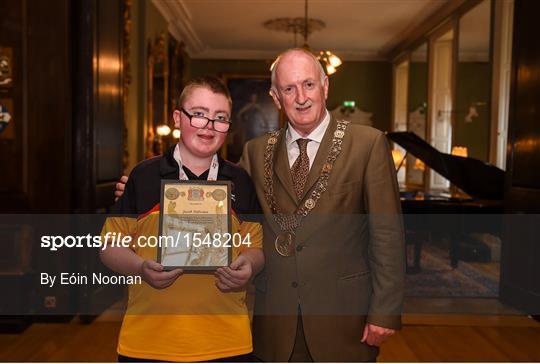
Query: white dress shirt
[[315, 138]]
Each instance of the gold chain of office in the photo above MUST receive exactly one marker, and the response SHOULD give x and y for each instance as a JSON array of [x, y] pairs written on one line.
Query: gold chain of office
[[290, 222]]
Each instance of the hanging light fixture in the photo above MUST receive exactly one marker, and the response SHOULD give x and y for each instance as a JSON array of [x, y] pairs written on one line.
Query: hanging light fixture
[[305, 26], [330, 61]]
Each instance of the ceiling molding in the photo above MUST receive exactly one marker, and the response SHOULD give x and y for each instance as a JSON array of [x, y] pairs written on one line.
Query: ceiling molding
[[240, 38], [413, 35], [417, 22], [359, 56], [243, 54], [180, 26]]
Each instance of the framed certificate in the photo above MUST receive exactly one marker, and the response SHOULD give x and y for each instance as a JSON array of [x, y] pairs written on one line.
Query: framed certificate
[[194, 225]]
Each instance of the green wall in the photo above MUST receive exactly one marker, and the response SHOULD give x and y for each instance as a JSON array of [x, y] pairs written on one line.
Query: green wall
[[201, 67], [473, 85], [418, 85], [367, 83]]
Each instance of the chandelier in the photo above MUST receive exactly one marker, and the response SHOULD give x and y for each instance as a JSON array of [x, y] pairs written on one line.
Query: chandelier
[[305, 26]]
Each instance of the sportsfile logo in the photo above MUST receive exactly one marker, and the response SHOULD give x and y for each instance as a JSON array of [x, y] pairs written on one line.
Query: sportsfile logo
[[113, 239]]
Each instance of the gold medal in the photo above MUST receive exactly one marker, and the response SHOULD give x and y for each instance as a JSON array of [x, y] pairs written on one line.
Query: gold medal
[[285, 244], [310, 203]]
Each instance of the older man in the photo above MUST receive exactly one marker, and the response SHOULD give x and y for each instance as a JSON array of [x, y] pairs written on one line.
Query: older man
[[332, 288], [333, 283]]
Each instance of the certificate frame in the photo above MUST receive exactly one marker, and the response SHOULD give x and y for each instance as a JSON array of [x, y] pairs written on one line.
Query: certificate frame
[[205, 190]]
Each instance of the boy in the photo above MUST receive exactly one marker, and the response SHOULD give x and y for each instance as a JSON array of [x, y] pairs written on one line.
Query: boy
[[171, 316]]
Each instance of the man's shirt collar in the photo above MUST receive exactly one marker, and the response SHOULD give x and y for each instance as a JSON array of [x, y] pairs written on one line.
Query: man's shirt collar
[[316, 135]]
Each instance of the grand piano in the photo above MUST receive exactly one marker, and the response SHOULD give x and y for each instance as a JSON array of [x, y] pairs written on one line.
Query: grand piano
[[473, 206]]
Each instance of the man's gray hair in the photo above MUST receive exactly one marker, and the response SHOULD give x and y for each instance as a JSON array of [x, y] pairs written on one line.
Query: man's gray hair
[[291, 50]]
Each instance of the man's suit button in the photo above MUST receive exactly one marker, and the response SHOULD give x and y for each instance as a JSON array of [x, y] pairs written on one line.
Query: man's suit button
[[299, 248], [294, 284]]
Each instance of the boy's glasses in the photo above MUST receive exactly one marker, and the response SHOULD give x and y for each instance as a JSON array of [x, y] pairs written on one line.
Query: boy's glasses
[[200, 122]]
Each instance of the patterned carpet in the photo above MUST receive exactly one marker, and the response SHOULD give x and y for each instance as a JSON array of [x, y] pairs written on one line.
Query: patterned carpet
[[438, 279]]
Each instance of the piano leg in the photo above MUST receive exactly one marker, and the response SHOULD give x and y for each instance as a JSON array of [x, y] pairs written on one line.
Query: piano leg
[[416, 239]]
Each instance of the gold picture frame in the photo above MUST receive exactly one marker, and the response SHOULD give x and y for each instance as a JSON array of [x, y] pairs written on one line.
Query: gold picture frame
[[157, 93], [194, 225]]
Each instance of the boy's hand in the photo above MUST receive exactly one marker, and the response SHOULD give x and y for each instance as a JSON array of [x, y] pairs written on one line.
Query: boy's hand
[[236, 276], [120, 186], [153, 274]]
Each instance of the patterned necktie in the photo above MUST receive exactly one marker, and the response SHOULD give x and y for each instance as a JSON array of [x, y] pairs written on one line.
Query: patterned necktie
[[300, 168]]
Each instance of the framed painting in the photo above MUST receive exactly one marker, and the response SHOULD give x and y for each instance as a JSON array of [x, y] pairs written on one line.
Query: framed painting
[[253, 112]]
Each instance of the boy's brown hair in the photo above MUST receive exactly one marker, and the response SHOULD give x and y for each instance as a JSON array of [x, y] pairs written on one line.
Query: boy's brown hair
[[212, 83]]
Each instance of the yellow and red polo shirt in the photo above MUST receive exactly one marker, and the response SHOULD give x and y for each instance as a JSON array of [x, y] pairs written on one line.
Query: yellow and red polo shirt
[[191, 320]]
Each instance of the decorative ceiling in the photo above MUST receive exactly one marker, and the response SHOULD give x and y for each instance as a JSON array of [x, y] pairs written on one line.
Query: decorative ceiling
[[233, 29]]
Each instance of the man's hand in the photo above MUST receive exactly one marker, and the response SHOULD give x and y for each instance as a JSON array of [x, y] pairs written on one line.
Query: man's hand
[[236, 276], [120, 186], [153, 274], [376, 335]]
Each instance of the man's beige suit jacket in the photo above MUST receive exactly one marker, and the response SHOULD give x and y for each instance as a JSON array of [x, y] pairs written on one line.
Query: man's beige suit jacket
[[349, 262]]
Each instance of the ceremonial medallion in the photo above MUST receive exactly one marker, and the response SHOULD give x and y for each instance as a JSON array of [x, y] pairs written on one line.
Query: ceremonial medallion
[[285, 244], [172, 193], [327, 167], [219, 195], [288, 223]]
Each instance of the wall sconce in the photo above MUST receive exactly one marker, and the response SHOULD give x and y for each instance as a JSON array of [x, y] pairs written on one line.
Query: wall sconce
[[176, 133], [473, 112], [163, 130]]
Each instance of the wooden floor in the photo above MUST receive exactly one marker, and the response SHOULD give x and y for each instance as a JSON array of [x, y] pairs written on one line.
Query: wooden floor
[[463, 343], [423, 338]]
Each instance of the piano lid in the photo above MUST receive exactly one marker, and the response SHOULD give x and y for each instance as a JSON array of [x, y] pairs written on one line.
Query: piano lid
[[478, 179]]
